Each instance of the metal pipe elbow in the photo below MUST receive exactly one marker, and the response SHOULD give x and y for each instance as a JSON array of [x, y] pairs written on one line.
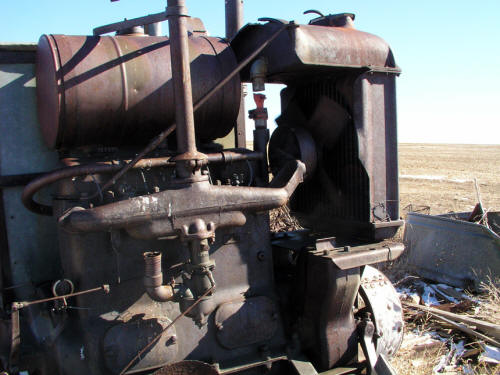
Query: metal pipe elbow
[[162, 293], [258, 73], [153, 278]]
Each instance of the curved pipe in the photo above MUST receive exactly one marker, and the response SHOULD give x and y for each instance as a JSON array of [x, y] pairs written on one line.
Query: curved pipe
[[74, 171], [165, 213], [153, 278], [82, 170]]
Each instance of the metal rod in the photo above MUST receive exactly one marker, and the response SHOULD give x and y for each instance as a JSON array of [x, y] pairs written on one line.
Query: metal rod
[[234, 17], [249, 366], [20, 305], [181, 76], [117, 26]]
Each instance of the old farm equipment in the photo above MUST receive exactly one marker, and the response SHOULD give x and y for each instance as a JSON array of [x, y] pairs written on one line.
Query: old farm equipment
[[143, 243]]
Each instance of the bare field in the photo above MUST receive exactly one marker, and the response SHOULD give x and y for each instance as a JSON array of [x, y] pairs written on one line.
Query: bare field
[[441, 176]]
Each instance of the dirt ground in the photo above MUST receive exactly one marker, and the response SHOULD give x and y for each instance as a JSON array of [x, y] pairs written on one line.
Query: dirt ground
[[441, 177]]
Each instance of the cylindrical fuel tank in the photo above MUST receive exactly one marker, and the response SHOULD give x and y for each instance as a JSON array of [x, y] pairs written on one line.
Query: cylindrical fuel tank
[[117, 90]]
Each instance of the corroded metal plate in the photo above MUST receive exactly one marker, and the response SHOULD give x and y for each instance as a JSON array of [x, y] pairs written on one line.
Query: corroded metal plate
[[123, 341], [246, 322]]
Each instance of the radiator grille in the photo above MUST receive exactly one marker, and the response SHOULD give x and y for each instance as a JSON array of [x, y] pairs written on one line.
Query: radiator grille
[[340, 187]]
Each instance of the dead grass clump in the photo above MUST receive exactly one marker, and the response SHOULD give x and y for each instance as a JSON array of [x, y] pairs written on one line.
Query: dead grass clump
[[419, 354], [489, 306], [281, 220]]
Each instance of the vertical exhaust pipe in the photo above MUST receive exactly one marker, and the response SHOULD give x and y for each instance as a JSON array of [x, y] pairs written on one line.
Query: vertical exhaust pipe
[[181, 76], [234, 22], [234, 17]]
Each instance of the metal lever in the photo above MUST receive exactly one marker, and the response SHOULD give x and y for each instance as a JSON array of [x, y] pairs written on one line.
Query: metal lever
[[314, 11]]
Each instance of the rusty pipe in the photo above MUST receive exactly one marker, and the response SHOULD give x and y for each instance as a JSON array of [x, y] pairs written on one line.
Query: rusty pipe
[[152, 216], [42, 180], [181, 77], [153, 278], [234, 17], [68, 172], [234, 22]]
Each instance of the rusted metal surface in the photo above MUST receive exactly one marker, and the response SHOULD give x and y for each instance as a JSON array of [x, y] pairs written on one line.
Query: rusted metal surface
[[118, 348], [328, 328], [156, 141], [165, 213], [242, 323], [153, 278], [357, 256], [449, 249], [157, 336], [37, 181], [311, 50], [118, 90]]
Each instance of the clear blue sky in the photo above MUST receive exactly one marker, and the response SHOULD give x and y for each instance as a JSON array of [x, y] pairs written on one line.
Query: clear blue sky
[[449, 51]]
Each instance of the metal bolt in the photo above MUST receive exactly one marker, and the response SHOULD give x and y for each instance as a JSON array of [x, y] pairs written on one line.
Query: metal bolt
[[261, 256]]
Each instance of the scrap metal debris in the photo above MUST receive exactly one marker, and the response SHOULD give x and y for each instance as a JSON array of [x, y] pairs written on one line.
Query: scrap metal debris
[[444, 325]]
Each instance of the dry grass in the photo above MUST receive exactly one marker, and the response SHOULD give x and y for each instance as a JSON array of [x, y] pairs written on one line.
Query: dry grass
[[489, 308], [281, 220], [411, 361]]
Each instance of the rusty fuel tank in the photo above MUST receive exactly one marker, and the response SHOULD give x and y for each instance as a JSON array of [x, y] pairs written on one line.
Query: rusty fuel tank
[[118, 90]]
